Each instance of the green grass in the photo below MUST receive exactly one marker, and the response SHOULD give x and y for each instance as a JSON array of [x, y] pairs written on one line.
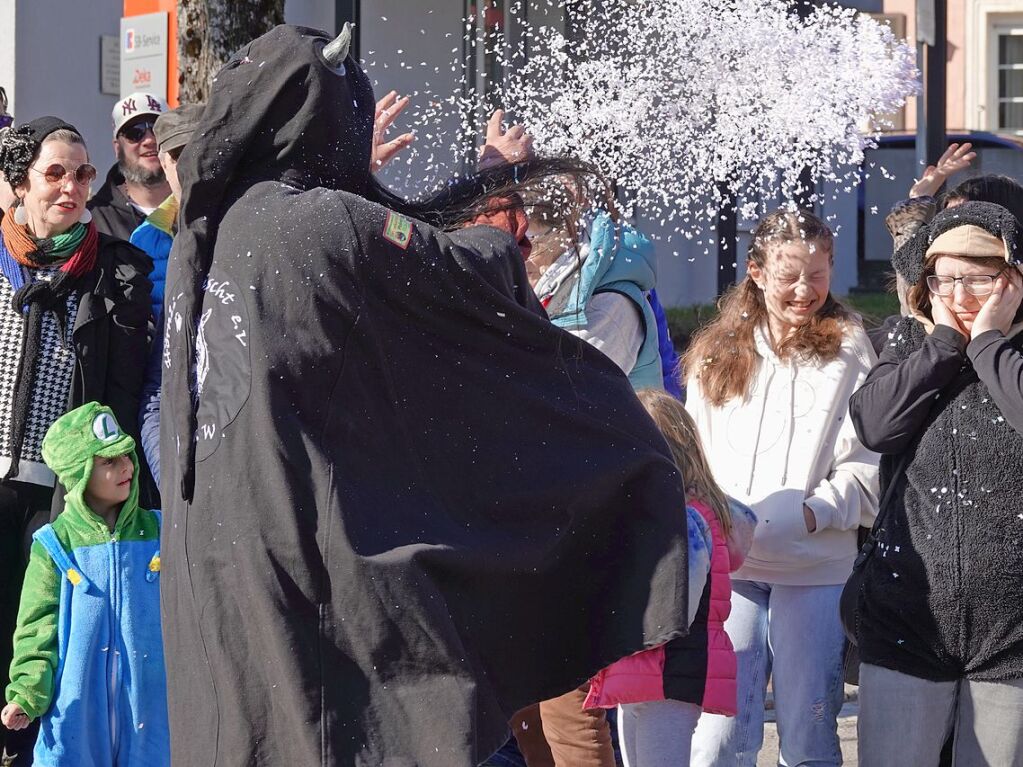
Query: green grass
[[683, 321]]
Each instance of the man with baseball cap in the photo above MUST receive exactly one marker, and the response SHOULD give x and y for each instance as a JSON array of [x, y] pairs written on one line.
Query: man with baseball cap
[[155, 236], [136, 185], [172, 131]]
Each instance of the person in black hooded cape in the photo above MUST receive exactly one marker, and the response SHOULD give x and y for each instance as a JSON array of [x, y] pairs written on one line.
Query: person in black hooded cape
[[400, 504]]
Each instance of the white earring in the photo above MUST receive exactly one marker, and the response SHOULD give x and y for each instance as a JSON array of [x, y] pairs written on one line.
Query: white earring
[[20, 215], [86, 216]]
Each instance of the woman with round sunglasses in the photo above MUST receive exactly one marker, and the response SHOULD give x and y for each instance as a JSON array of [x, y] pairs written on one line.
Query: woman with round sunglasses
[[74, 309], [939, 620]]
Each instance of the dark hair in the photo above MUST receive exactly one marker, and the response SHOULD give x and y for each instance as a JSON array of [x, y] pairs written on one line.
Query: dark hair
[[506, 187], [990, 187]]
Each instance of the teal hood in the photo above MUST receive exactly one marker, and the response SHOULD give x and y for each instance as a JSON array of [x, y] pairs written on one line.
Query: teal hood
[[620, 260]]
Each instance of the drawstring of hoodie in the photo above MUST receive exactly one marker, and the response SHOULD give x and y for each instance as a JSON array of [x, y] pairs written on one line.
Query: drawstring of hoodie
[[760, 429], [792, 421]]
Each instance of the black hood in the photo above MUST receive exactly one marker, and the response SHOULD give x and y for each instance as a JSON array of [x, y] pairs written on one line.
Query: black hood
[[277, 111], [908, 260]]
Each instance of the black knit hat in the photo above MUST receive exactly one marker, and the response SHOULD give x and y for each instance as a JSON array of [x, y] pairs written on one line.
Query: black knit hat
[[908, 260], [18, 146]]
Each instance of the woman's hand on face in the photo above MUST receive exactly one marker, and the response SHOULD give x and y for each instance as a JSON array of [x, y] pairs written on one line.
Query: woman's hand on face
[[1000, 309], [942, 315], [809, 519], [956, 158]]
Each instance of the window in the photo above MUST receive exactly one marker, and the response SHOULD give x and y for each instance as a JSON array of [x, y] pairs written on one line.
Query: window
[[1009, 43]]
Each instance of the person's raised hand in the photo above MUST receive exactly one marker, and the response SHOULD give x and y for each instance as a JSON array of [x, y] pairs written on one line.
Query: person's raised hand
[[1000, 309], [956, 158], [14, 717], [942, 315], [387, 111], [504, 147]]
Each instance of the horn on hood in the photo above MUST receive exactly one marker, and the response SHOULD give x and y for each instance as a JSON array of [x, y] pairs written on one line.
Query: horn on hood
[[336, 51]]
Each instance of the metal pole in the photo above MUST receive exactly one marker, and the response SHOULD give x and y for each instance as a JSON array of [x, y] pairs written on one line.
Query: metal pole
[[349, 10], [937, 55], [932, 52]]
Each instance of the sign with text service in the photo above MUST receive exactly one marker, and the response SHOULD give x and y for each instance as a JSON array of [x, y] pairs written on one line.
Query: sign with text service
[[143, 45]]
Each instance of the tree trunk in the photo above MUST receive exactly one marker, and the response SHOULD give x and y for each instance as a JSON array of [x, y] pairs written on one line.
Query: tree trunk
[[210, 31]]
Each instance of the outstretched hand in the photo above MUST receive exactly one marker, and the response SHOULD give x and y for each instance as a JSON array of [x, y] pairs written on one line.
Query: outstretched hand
[[387, 111], [956, 158], [1000, 309], [504, 147], [14, 717]]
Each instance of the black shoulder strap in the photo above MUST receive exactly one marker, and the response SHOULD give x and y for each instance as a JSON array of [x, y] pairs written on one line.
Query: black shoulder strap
[[871, 543]]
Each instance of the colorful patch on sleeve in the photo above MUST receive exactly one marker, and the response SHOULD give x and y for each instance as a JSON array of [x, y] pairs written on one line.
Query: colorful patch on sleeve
[[398, 230]]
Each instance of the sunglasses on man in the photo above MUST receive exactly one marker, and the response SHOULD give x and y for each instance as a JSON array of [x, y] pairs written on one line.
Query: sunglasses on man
[[135, 132], [83, 175]]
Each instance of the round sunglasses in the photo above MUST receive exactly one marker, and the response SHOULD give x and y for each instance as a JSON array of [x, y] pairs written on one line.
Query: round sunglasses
[[83, 175], [136, 132]]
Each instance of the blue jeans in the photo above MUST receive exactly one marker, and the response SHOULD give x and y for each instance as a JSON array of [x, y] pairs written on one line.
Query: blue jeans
[[792, 635]]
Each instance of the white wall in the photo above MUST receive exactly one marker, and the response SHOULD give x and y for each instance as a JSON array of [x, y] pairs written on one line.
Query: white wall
[[57, 65], [425, 32], [318, 14], [7, 48]]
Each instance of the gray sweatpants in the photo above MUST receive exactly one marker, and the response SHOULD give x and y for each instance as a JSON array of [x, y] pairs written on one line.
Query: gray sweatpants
[[904, 720]]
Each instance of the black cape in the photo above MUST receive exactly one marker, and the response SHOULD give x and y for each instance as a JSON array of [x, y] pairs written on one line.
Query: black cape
[[406, 505]]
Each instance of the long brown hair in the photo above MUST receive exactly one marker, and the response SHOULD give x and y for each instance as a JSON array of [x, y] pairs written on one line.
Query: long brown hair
[[723, 354], [680, 433], [919, 297]]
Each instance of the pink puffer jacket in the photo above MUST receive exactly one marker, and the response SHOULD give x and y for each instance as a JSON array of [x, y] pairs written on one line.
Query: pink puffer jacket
[[699, 667]]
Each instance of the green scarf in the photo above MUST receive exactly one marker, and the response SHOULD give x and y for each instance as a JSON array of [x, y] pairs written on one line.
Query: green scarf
[[61, 246]]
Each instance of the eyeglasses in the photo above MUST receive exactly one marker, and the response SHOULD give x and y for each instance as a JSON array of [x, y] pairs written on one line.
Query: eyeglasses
[[974, 284], [83, 175], [136, 132]]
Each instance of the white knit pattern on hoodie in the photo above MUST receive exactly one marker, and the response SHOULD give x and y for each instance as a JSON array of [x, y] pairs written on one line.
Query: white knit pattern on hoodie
[[790, 442]]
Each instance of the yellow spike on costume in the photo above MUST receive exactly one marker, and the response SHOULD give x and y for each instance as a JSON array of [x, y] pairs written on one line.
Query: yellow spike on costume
[[154, 564], [73, 576]]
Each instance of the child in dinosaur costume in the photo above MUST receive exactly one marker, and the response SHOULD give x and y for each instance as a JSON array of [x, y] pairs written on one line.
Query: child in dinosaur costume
[[88, 654]]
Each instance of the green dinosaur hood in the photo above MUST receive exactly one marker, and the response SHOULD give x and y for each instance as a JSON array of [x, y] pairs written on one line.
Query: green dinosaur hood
[[74, 440]]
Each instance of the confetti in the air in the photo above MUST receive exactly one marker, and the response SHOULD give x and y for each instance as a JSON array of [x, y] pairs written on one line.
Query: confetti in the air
[[685, 104]]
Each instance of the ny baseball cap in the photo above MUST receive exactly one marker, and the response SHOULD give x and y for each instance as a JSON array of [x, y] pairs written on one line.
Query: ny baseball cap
[[136, 105]]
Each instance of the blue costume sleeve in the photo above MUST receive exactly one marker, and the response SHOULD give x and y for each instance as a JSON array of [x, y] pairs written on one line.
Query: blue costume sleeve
[[149, 411], [669, 357]]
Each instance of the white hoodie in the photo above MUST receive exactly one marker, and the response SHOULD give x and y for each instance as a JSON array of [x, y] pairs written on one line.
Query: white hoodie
[[791, 442]]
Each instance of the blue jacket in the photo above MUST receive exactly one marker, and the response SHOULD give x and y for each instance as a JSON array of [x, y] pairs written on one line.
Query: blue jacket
[[669, 357], [155, 236], [621, 260]]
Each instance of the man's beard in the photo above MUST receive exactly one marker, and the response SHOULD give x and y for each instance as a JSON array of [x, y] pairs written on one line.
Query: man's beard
[[134, 173]]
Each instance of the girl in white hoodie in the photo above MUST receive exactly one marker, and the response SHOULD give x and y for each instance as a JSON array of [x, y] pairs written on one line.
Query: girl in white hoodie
[[769, 385]]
